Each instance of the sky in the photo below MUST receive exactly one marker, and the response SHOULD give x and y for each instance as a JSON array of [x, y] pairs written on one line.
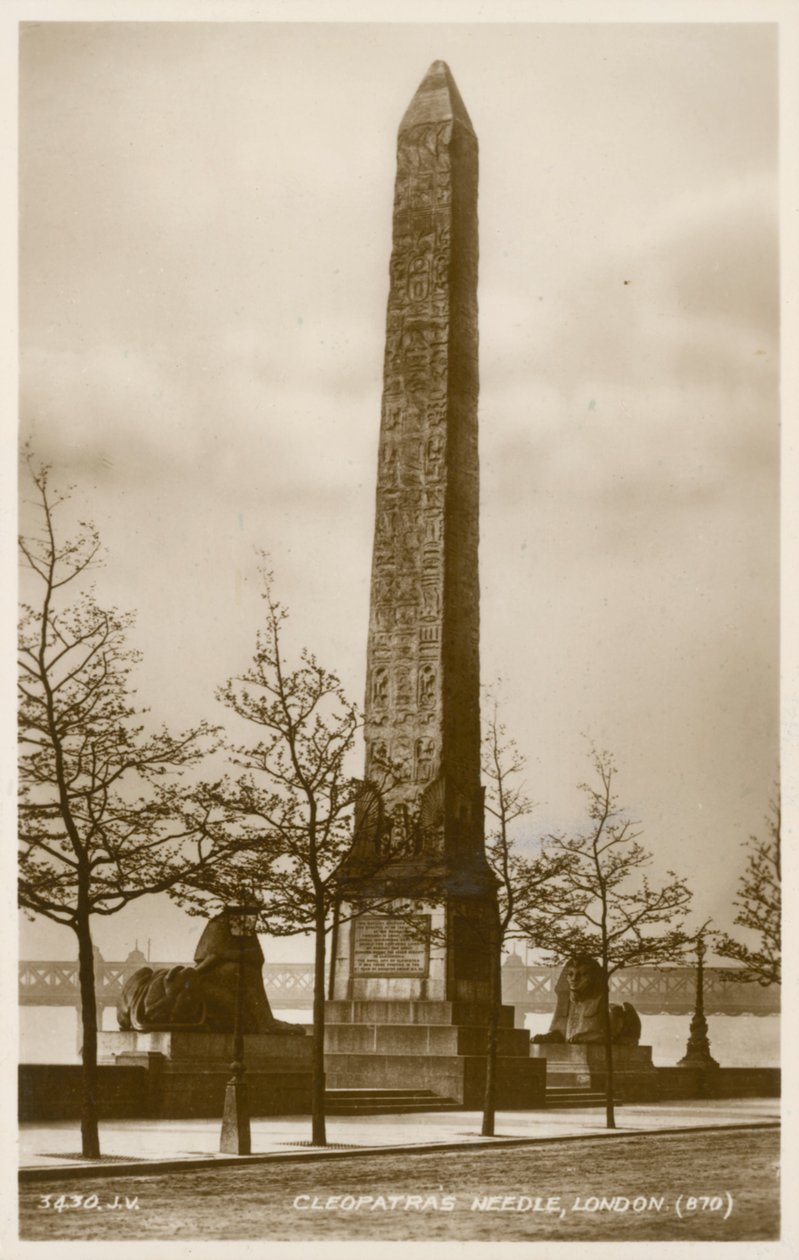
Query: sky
[[205, 216]]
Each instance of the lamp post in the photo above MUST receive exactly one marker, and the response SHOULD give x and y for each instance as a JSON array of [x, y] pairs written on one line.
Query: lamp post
[[697, 1052], [235, 1136]]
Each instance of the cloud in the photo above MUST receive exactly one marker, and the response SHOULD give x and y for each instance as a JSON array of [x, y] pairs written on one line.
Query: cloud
[[720, 246], [644, 399], [693, 299], [140, 414]]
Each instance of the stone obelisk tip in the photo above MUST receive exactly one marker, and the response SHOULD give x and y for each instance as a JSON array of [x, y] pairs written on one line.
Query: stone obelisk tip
[[437, 99]]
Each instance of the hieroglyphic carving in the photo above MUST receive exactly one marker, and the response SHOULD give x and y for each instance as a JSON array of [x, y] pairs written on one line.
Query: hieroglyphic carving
[[380, 688], [431, 600], [427, 687], [425, 749], [424, 560], [404, 614], [428, 641], [434, 454], [402, 688], [401, 758]]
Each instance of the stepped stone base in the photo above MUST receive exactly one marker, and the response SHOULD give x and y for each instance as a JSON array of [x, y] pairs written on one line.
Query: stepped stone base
[[187, 1071], [385, 1102], [577, 1096], [429, 1045], [634, 1075]]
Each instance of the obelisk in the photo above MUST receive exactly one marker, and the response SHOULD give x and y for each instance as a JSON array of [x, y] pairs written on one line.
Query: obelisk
[[409, 991], [422, 711]]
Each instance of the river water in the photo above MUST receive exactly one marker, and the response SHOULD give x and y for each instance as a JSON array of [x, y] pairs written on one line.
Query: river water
[[50, 1035]]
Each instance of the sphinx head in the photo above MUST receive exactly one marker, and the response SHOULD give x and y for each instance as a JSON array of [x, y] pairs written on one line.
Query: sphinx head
[[584, 975], [218, 943]]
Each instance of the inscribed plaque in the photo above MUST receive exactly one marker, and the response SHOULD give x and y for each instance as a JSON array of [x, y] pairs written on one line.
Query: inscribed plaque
[[390, 947]]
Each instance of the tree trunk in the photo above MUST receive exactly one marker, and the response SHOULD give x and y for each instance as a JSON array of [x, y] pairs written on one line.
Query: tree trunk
[[333, 952], [318, 1131], [89, 1131], [494, 1004], [610, 1114], [489, 1101]]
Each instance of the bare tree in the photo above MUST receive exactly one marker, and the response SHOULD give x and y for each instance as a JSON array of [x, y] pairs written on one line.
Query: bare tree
[[295, 800], [759, 903], [103, 815], [603, 905], [521, 881]]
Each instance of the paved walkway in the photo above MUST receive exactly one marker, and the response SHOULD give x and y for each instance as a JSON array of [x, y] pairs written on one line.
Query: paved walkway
[[195, 1143]]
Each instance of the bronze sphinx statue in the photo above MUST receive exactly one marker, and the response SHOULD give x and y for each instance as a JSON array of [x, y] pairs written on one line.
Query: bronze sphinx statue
[[578, 1017], [203, 996]]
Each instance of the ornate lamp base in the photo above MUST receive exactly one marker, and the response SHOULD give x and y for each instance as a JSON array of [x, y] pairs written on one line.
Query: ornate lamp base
[[697, 1052]]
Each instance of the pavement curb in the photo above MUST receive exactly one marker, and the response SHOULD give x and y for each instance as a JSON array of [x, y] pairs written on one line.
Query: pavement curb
[[153, 1168]]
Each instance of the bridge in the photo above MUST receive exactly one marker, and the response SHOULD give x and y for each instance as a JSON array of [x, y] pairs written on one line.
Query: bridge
[[531, 989], [652, 990], [289, 985]]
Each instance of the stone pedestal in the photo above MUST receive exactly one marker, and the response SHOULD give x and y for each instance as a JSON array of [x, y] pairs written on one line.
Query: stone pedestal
[[634, 1074], [188, 1071], [434, 1045]]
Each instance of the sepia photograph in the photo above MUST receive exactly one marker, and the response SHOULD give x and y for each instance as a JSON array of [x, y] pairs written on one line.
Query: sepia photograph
[[399, 794]]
